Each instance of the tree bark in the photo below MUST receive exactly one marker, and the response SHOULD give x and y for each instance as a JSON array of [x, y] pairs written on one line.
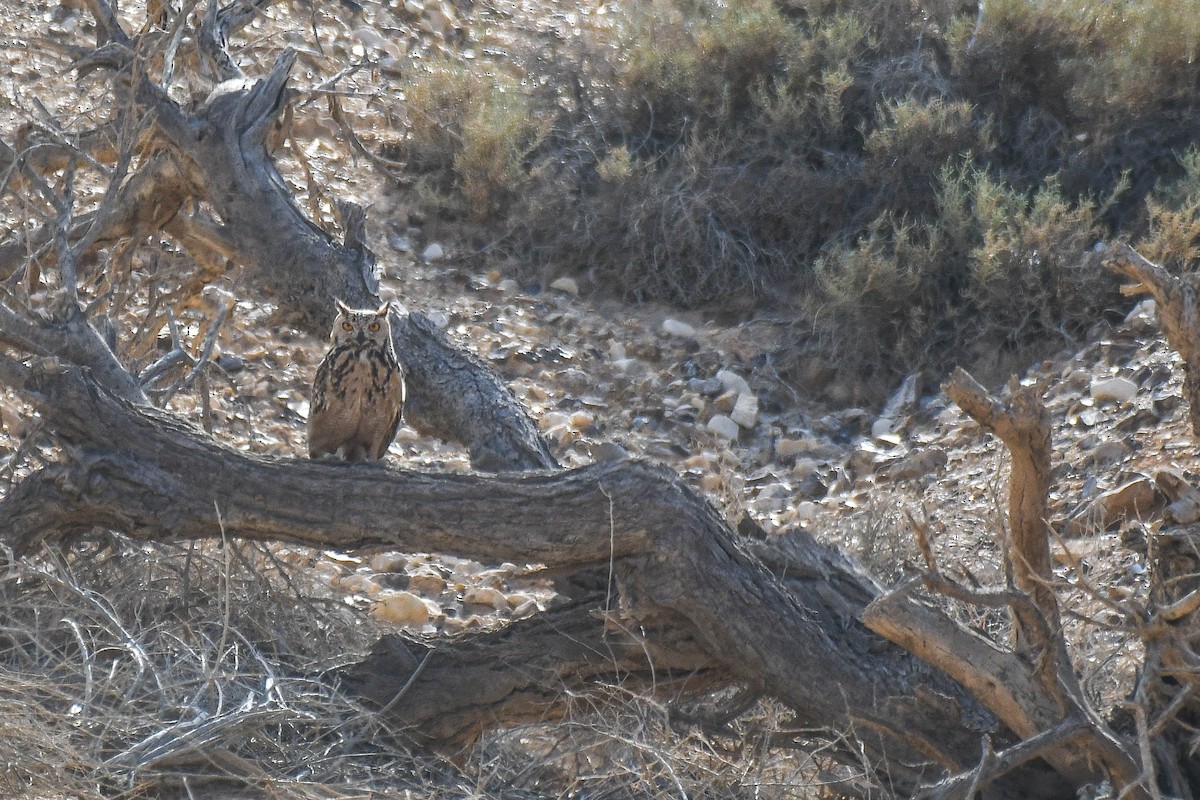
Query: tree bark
[[221, 155], [694, 599]]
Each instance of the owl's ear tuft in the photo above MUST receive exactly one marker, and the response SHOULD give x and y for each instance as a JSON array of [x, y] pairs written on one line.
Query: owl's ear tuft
[[342, 307], [383, 310]]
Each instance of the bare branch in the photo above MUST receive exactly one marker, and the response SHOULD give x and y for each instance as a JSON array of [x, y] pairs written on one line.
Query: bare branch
[[1178, 313], [994, 765]]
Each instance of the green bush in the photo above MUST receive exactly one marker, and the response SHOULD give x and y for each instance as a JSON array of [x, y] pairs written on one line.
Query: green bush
[[874, 306], [699, 69], [913, 142], [995, 269]]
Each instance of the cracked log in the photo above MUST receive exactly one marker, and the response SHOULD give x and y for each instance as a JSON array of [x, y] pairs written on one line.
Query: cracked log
[[696, 603]]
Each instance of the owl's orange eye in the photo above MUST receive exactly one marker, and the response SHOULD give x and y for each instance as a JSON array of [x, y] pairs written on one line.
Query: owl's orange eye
[[346, 326], [374, 326]]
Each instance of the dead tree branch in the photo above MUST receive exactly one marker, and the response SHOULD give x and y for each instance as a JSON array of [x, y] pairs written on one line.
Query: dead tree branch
[[1035, 689], [1178, 301]]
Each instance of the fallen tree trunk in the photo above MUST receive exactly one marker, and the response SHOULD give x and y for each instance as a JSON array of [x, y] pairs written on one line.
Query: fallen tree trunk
[[694, 600]]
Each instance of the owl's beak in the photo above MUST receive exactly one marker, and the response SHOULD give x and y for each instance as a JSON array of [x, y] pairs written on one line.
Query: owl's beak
[[362, 337]]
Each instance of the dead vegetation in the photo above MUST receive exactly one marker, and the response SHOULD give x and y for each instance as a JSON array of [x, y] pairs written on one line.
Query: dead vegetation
[[133, 670]]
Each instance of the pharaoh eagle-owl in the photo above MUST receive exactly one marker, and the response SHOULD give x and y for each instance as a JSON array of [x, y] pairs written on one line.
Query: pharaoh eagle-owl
[[358, 394]]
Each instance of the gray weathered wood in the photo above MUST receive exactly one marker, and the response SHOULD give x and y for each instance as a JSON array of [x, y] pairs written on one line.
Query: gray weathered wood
[[697, 596]]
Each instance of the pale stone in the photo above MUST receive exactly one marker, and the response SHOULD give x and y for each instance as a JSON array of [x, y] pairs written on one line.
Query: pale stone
[[807, 510], [917, 464], [438, 318], [567, 285], [486, 596], [723, 426], [427, 583], [459, 624], [616, 350], [402, 608], [1185, 511], [726, 402], [1108, 452], [733, 382], [1185, 498], [388, 562], [626, 364], [804, 467], [1137, 499], [509, 286], [518, 599], [580, 420], [882, 427], [902, 399], [768, 505], [674, 327], [562, 435], [326, 572], [609, 451], [786, 448], [745, 411], [356, 583], [702, 460], [554, 419], [434, 252], [525, 609], [1122, 390], [1144, 316]]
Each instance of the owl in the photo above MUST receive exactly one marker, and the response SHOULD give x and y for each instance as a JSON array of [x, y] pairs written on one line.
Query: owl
[[358, 393]]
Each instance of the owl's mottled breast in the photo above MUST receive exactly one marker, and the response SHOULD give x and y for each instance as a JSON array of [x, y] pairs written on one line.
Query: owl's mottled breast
[[358, 393]]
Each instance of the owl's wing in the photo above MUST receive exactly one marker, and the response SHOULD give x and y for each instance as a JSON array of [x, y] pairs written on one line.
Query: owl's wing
[[394, 425], [318, 400], [321, 439]]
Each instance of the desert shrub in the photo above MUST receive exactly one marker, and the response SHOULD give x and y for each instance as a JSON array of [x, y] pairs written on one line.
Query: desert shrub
[[1173, 235], [700, 69], [661, 228], [874, 305], [1149, 55], [913, 142], [1020, 53], [994, 268], [1031, 277], [1018, 64], [469, 134]]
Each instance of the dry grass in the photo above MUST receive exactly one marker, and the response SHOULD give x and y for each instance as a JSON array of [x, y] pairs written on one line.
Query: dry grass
[[132, 670], [202, 670]]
